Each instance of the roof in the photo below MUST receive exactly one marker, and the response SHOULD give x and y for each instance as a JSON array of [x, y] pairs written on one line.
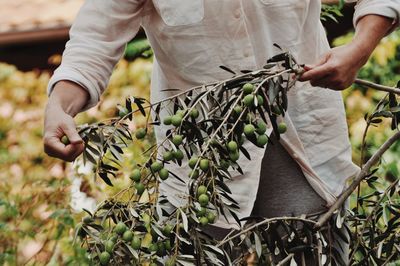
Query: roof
[[33, 20], [27, 21]]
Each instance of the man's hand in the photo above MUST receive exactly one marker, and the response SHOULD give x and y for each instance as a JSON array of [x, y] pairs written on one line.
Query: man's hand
[[57, 124], [65, 102], [338, 68]]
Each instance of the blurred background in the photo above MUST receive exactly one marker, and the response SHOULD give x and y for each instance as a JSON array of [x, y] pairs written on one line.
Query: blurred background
[[41, 199]]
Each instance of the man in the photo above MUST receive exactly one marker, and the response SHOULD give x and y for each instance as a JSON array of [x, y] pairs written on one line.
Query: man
[[190, 39]]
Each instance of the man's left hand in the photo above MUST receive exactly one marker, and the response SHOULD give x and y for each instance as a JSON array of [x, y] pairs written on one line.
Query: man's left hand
[[337, 69]]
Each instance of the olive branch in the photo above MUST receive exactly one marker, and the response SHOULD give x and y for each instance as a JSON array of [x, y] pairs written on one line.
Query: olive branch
[[208, 126]]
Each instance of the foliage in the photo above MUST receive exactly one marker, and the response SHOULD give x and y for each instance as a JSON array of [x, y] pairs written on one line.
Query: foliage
[[206, 140], [39, 208], [331, 12], [375, 210], [210, 124], [33, 186], [150, 230]]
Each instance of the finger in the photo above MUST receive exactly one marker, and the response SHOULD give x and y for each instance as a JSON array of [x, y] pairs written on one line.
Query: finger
[[328, 84], [79, 148], [333, 82], [321, 82], [321, 61], [317, 73], [69, 129], [55, 148]]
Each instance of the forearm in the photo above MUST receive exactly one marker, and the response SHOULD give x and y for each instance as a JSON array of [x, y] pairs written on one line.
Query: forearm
[[68, 96], [97, 41], [370, 29], [338, 68]]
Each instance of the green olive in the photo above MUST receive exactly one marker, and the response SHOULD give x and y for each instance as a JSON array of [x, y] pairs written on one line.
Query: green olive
[[176, 120], [156, 166], [193, 161], [167, 120], [211, 217], [104, 258], [194, 174], [127, 236], [114, 237], [282, 127], [262, 140], [248, 100], [109, 246], [232, 146], [168, 156], [261, 127], [204, 164], [248, 88], [238, 109], [123, 111], [201, 190], [224, 164], [163, 174], [203, 220], [276, 110], [120, 228], [136, 175], [139, 188], [180, 112], [136, 242], [178, 154], [167, 229], [168, 245], [177, 140], [201, 212], [260, 100], [234, 156], [194, 113], [249, 130], [153, 247], [141, 133], [65, 140], [203, 200]]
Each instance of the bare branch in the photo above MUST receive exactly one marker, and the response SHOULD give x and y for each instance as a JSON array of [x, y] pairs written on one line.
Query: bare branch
[[364, 172], [377, 86], [282, 262], [265, 221]]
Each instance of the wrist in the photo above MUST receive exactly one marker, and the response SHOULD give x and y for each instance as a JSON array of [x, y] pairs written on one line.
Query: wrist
[[69, 97], [361, 51]]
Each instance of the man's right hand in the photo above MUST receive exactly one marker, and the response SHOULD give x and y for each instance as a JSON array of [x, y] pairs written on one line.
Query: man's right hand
[[64, 103]]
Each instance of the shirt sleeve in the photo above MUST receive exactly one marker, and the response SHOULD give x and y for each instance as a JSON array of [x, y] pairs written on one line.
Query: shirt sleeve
[[386, 8], [98, 38]]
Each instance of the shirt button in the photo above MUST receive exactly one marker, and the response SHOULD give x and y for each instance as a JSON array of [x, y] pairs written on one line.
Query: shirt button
[[246, 53], [295, 156], [237, 13]]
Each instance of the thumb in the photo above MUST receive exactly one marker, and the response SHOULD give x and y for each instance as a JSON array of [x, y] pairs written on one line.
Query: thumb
[[69, 129], [322, 60], [307, 74]]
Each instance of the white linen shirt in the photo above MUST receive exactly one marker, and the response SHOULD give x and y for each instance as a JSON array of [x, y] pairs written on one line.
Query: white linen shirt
[[191, 39]]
